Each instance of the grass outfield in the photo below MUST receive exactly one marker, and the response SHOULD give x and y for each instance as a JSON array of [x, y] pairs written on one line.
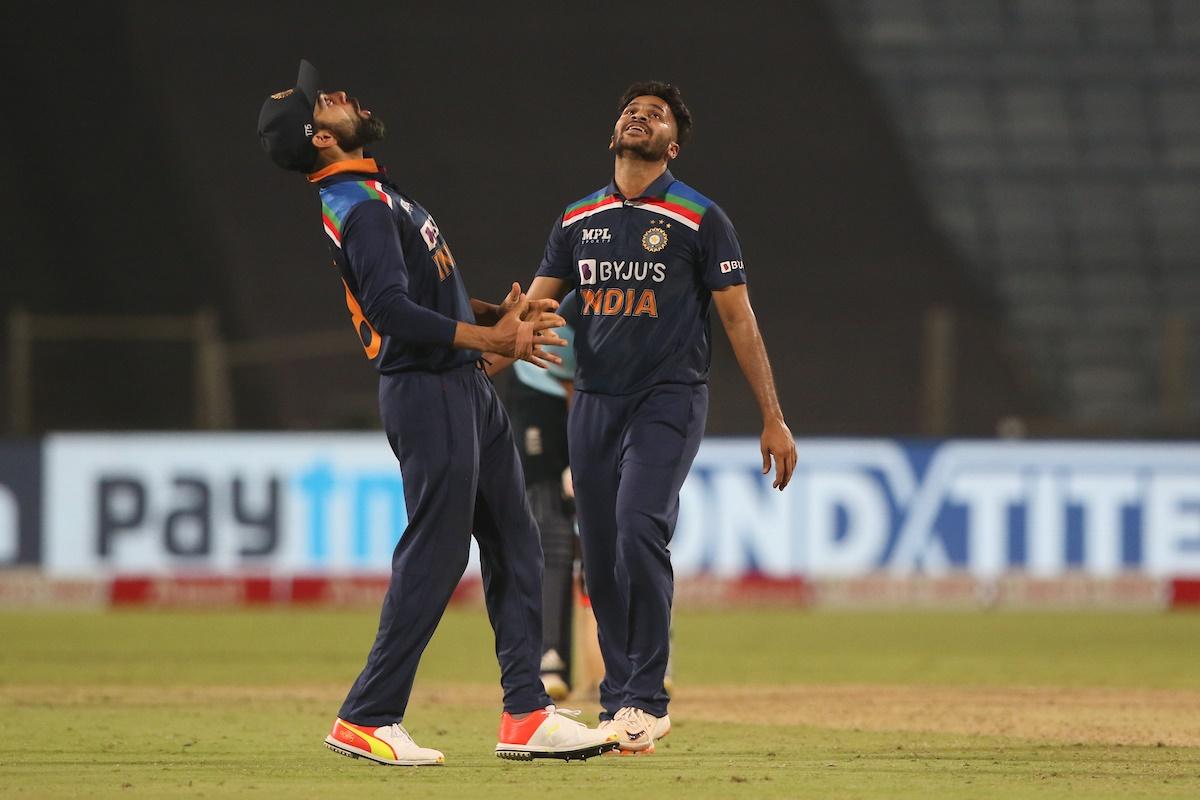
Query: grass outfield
[[771, 704]]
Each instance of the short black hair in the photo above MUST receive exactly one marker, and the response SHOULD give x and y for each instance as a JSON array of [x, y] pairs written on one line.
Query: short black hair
[[669, 94]]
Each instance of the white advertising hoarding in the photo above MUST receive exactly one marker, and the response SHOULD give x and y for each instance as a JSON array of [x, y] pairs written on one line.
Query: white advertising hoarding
[[333, 503], [278, 503]]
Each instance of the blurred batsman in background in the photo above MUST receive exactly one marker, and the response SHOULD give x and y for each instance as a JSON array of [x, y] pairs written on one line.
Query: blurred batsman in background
[[537, 402], [461, 471]]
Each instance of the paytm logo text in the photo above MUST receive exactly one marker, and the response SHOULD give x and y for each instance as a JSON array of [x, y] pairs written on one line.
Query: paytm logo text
[[328, 502], [375, 501]]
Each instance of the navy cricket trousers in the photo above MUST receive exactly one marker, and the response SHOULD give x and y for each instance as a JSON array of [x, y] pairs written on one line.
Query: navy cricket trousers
[[462, 475], [629, 457]]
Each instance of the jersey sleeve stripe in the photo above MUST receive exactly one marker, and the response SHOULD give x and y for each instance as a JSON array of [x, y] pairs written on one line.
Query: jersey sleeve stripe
[[687, 203], [581, 212], [332, 223], [375, 191], [332, 232], [339, 199], [680, 192], [591, 199]]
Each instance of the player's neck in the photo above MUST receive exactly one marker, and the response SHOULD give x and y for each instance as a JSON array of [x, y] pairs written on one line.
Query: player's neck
[[634, 175], [332, 155]]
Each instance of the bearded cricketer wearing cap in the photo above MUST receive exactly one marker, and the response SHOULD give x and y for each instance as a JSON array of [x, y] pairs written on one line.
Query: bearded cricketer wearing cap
[[460, 467]]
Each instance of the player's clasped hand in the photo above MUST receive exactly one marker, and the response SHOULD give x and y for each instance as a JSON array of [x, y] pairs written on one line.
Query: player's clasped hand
[[526, 327], [515, 296], [777, 441]]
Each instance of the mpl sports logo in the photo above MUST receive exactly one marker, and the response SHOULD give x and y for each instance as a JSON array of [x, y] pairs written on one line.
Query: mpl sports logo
[[596, 235]]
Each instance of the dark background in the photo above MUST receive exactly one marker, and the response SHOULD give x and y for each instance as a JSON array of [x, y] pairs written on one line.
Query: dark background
[[138, 187]]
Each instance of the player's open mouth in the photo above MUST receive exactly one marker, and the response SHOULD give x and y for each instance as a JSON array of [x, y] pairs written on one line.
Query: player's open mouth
[[635, 128]]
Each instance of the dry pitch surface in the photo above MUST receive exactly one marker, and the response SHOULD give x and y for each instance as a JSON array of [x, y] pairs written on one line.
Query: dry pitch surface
[[771, 704]]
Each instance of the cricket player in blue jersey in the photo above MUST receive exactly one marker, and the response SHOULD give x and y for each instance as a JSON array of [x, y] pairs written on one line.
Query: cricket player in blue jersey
[[462, 474], [650, 256]]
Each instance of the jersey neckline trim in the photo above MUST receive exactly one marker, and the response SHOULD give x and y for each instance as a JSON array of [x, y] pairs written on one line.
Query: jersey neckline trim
[[366, 165]]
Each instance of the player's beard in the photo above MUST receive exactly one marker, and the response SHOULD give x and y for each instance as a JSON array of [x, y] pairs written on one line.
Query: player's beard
[[366, 131], [644, 150]]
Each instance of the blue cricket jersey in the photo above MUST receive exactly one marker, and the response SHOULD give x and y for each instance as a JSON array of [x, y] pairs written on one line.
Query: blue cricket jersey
[[645, 268], [403, 288]]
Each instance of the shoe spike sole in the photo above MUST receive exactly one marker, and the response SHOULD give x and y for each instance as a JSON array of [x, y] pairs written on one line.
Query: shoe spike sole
[[349, 754], [581, 754]]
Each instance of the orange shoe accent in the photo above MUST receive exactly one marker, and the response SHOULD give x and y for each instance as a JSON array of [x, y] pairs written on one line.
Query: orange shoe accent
[[518, 731], [363, 737]]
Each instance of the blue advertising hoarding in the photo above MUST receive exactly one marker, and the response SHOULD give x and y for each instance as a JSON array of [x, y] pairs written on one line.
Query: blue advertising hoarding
[[333, 503]]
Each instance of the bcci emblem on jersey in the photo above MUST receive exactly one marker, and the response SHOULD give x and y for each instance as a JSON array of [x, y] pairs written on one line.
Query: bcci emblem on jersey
[[587, 271], [654, 239]]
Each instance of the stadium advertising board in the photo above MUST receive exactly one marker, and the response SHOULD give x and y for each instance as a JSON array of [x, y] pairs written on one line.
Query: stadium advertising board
[[272, 503], [333, 503], [983, 508], [20, 503]]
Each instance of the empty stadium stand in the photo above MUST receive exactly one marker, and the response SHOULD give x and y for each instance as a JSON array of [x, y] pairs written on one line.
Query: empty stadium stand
[[1057, 143]]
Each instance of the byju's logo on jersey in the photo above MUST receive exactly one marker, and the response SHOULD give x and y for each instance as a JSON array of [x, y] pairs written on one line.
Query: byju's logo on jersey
[[596, 235], [587, 271], [430, 232]]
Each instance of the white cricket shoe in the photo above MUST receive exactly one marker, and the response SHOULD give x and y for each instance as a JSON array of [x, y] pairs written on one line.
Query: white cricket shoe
[[637, 730], [385, 744], [551, 732]]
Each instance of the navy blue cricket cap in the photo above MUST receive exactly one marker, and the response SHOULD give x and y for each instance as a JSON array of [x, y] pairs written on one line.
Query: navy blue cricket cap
[[285, 124]]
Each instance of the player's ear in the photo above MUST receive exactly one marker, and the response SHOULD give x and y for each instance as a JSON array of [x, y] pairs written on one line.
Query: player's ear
[[323, 139], [612, 142], [672, 150]]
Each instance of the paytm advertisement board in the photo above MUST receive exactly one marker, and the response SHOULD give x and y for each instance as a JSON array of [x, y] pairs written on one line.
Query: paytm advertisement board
[[333, 503], [272, 503]]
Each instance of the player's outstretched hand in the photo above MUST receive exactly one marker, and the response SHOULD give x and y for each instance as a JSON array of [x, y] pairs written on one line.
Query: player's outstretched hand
[[514, 297], [777, 442], [526, 328]]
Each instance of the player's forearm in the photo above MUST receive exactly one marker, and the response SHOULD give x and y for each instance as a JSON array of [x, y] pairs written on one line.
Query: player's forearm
[[546, 287], [475, 337], [751, 353], [393, 314]]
